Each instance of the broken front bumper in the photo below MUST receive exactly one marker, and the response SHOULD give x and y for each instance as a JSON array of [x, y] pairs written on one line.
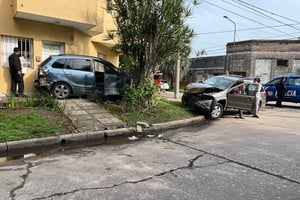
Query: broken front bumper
[[198, 102]]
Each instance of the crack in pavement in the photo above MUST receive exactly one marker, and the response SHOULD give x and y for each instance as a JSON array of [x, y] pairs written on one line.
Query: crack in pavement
[[236, 162], [25, 176], [191, 162], [171, 171], [189, 166], [21, 185]]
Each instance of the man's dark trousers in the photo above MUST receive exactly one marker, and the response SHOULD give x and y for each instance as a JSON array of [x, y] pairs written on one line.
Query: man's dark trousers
[[17, 80]]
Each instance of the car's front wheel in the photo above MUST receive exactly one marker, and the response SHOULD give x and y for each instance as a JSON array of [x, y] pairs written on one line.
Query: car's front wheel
[[216, 112], [183, 100], [61, 90]]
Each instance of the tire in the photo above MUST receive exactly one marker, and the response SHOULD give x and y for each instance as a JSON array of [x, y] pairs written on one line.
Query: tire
[[217, 111], [61, 90], [183, 101]]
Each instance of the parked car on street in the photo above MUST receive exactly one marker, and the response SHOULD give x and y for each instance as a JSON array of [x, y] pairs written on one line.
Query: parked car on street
[[65, 75], [214, 95], [164, 85], [292, 83]]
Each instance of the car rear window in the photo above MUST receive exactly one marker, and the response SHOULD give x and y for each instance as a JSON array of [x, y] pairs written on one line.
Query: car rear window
[[59, 63]]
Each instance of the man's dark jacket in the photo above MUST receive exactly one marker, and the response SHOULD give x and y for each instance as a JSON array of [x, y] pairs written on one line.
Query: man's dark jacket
[[14, 64], [281, 89]]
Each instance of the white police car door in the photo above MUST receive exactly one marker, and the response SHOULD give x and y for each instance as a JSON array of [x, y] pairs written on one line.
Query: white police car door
[[242, 96]]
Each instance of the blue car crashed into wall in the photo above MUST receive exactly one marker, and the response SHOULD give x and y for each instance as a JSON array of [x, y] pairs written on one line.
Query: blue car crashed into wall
[[65, 75], [292, 83]]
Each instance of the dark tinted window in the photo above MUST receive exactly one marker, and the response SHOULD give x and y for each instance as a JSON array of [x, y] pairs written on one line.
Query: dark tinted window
[[109, 68], [59, 63], [79, 64]]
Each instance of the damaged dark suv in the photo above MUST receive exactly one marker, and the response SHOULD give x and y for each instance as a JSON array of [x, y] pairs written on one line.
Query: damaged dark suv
[[212, 96]]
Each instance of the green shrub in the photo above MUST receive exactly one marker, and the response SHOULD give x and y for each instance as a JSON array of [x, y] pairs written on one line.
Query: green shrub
[[139, 97], [96, 97]]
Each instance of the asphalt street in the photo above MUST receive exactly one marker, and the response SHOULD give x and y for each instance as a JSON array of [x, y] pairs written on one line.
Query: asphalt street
[[223, 159]]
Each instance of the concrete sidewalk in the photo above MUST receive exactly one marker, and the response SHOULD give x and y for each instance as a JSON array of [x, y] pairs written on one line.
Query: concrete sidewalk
[[89, 116]]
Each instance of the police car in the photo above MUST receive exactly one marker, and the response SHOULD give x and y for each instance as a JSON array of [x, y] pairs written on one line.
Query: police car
[[292, 83]]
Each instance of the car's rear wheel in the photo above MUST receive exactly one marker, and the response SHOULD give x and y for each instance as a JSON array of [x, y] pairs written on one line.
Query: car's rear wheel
[[216, 112], [61, 90]]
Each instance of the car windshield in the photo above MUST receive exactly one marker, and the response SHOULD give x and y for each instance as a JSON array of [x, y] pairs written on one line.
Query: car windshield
[[219, 82]]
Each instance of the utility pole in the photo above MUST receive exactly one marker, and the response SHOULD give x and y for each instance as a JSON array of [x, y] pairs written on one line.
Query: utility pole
[[233, 51], [176, 94]]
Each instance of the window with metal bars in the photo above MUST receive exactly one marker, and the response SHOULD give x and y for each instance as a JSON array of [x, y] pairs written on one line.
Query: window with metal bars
[[8, 43]]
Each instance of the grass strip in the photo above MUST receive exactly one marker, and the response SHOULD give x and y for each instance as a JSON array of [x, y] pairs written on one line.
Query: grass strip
[[164, 111], [25, 126]]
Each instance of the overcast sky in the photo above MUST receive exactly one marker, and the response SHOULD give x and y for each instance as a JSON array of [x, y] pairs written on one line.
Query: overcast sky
[[254, 19]]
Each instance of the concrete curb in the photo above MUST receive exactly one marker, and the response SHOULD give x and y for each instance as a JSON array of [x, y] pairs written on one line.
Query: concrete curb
[[93, 137], [85, 138], [173, 124]]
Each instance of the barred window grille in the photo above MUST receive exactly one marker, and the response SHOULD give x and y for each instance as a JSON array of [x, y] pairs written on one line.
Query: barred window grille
[[8, 45]]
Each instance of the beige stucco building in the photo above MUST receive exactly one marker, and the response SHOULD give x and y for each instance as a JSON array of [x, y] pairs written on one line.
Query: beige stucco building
[[42, 28]]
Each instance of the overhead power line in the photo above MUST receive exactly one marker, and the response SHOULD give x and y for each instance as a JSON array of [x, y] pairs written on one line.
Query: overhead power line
[[245, 17], [211, 10], [255, 11], [267, 11], [246, 29]]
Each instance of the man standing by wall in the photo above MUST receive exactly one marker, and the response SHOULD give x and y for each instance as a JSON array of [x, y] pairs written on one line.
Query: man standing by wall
[[16, 73]]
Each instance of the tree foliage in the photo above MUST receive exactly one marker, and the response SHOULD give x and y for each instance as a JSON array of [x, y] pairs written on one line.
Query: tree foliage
[[139, 97], [150, 33]]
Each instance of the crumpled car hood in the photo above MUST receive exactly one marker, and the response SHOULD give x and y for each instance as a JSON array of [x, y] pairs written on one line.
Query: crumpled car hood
[[201, 88]]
